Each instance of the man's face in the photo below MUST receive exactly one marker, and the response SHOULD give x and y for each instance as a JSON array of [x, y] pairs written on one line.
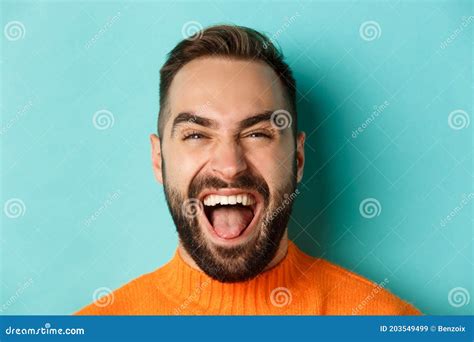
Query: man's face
[[227, 167]]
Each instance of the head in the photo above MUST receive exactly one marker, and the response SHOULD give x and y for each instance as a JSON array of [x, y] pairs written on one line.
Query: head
[[227, 151]]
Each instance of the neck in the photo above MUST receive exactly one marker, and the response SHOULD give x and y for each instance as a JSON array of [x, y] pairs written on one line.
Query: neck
[[199, 294], [280, 254]]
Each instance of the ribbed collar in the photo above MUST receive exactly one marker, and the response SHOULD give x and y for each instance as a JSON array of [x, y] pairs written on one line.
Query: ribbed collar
[[193, 290]]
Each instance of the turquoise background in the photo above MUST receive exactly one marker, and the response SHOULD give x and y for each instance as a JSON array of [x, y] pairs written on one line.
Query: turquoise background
[[409, 158]]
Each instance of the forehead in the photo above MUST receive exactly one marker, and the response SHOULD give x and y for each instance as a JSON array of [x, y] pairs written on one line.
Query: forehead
[[227, 90]]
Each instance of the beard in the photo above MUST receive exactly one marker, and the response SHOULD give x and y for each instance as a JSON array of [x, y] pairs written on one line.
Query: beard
[[248, 259]]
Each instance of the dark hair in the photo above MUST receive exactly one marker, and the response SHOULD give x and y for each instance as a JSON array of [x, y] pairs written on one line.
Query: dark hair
[[228, 41]]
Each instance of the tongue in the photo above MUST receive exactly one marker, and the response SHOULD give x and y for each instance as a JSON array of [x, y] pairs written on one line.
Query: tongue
[[230, 221]]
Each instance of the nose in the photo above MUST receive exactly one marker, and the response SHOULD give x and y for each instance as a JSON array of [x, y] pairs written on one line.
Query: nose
[[228, 160]]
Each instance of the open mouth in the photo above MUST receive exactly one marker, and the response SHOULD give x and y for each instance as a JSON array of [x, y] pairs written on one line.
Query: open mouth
[[231, 214]]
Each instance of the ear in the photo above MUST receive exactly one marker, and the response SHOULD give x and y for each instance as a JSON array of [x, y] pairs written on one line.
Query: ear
[[300, 155], [156, 157]]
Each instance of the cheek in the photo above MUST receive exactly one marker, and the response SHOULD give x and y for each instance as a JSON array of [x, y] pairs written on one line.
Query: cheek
[[275, 166], [182, 165]]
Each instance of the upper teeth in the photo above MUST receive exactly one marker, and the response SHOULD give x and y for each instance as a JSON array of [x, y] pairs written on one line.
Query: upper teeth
[[245, 199]]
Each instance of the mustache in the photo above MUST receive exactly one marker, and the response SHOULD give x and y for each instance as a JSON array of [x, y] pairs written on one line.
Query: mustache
[[244, 181]]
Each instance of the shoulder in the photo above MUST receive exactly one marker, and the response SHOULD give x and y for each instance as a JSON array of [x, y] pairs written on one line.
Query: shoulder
[[124, 300], [343, 292]]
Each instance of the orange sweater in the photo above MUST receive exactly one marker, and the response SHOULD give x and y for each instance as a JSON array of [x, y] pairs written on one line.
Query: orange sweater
[[298, 285]]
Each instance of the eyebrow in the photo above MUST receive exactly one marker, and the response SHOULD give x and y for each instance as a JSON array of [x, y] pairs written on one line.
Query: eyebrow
[[253, 120], [189, 117]]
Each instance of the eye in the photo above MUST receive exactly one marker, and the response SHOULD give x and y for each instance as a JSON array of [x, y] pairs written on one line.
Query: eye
[[259, 135], [193, 136]]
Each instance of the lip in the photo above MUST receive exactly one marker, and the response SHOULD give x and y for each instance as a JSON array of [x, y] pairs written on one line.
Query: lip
[[248, 233]]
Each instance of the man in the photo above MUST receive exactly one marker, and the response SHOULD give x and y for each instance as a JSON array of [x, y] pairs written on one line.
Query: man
[[229, 156]]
